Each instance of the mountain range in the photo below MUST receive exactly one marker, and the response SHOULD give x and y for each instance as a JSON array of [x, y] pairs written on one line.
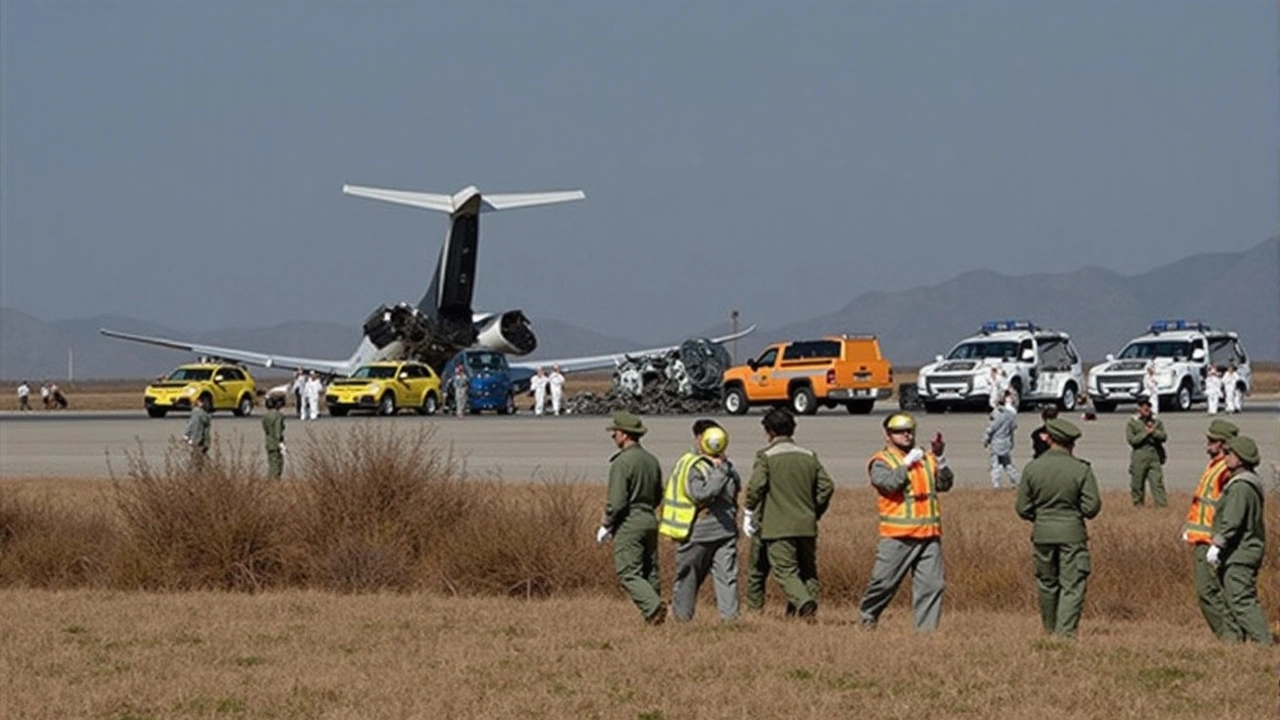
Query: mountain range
[[1100, 308]]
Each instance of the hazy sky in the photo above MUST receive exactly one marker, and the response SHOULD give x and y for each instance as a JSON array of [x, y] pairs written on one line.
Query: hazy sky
[[182, 162]]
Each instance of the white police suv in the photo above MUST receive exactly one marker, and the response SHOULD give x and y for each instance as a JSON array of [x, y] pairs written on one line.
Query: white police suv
[[1181, 352], [1038, 365]]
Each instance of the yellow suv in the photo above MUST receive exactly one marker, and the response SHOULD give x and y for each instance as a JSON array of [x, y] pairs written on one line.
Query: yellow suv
[[224, 387], [841, 370], [385, 387]]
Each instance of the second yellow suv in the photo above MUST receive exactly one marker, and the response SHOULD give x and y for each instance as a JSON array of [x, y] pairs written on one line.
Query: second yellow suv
[[385, 387], [841, 370], [224, 387]]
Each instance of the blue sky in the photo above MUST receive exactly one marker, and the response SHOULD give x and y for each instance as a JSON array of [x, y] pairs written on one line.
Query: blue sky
[[182, 162]]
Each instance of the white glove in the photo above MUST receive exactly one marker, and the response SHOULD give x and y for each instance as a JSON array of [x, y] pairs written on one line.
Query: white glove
[[1184, 537], [283, 450], [748, 523], [915, 456], [1212, 556], [602, 535]]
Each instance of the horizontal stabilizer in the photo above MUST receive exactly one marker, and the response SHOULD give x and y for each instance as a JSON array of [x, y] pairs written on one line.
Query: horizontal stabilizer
[[452, 203]]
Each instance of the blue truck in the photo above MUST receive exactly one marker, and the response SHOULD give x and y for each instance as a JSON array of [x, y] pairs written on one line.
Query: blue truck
[[492, 385]]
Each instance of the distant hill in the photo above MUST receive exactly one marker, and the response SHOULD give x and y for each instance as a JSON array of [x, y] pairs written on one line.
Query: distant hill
[[33, 349], [1101, 309]]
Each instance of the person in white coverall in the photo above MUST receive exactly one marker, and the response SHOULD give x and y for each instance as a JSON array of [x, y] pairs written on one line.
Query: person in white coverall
[[998, 440], [556, 381], [1213, 389], [1151, 389], [538, 383], [312, 390], [1231, 389], [998, 386]]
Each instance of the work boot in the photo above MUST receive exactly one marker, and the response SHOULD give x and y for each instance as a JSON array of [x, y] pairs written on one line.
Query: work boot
[[807, 611], [658, 617]]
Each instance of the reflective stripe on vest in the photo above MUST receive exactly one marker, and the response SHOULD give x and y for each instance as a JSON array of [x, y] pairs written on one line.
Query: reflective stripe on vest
[[678, 511], [917, 515], [1199, 527]]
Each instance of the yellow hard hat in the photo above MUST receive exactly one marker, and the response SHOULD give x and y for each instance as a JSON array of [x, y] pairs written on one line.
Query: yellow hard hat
[[900, 421], [714, 441]]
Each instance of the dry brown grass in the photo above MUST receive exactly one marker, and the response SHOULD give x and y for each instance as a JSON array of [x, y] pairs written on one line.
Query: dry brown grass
[[298, 654], [503, 606]]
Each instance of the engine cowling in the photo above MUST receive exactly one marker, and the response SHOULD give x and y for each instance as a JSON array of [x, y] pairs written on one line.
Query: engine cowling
[[507, 332]]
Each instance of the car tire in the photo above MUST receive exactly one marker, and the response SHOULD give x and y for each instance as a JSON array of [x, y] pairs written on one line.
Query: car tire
[[244, 408], [1069, 398], [430, 404], [509, 406], [1183, 399], [860, 407], [735, 401], [803, 401], [337, 411], [387, 405], [157, 412]]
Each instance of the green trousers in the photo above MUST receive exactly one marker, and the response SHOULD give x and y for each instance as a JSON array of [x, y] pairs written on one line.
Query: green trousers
[[757, 573], [635, 559], [1145, 469], [1240, 588], [1213, 603], [795, 567], [1062, 574], [275, 464], [895, 557]]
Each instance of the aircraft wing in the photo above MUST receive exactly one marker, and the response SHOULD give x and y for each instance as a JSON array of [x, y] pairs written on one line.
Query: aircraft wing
[[329, 367], [598, 362]]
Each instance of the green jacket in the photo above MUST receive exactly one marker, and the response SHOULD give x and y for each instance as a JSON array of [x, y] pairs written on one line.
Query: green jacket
[[635, 489], [1145, 444], [199, 428], [273, 428], [1058, 493], [1238, 524], [792, 487]]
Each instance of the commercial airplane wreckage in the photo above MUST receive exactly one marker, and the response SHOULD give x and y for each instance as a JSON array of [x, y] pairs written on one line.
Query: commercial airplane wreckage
[[683, 379]]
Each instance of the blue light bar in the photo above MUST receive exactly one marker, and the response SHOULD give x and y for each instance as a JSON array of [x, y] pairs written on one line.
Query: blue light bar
[[991, 326], [1160, 326]]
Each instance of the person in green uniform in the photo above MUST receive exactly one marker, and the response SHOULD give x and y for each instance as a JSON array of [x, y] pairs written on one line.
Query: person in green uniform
[[635, 491], [1239, 540], [273, 429], [199, 432], [1198, 529], [1058, 493], [1146, 436], [794, 491]]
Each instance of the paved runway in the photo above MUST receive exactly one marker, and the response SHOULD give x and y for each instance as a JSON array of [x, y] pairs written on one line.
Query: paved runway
[[41, 444]]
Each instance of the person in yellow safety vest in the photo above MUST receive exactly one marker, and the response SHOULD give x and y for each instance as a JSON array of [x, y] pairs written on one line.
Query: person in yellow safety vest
[[700, 512], [1198, 532], [908, 480]]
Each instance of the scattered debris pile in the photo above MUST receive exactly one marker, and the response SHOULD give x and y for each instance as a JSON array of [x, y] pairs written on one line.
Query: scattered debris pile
[[686, 380]]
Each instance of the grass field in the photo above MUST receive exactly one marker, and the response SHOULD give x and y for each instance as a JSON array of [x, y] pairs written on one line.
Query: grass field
[[388, 585]]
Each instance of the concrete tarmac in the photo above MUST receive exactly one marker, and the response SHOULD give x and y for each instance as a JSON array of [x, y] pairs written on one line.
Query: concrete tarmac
[[523, 447]]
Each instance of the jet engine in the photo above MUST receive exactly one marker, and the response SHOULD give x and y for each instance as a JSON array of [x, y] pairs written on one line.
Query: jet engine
[[507, 332], [403, 322]]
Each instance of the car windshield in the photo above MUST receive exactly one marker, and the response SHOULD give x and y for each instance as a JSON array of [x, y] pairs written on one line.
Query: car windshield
[[484, 361], [190, 374], [984, 349], [1155, 349], [375, 372]]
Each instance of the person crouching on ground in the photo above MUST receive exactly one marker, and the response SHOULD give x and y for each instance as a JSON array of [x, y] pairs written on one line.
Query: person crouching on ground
[[700, 512]]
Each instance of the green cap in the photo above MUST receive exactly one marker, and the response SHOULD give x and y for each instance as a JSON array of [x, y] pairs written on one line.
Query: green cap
[[627, 423], [1243, 447], [1062, 430], [1222, 430]]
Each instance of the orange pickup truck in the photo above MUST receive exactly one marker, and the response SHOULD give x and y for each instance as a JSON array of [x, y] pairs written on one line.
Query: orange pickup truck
[[840, 370]]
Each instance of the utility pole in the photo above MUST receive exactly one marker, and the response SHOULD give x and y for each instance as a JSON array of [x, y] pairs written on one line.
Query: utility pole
[[733, 318], [71, 366]]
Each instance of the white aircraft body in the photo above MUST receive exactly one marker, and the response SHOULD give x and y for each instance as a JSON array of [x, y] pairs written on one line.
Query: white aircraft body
[[442, 323]]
